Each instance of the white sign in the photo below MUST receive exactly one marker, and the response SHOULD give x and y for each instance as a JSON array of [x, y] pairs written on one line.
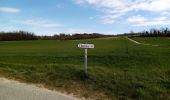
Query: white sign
[[86, 46]]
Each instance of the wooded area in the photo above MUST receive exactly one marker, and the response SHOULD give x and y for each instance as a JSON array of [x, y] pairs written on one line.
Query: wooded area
[[23, 35], [163, 32]]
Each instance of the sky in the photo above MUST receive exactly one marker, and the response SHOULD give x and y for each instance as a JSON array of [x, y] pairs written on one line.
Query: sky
[[48, 17]]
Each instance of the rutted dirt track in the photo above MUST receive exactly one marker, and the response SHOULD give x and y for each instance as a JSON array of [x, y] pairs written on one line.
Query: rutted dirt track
[[140, 43], [13, 90]]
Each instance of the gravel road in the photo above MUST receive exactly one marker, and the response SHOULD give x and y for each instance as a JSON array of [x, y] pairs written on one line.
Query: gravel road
[[14, 90]]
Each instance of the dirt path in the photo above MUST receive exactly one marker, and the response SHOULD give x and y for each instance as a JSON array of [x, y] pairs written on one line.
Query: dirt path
[[139, 42], [133, 40], [13, 90]]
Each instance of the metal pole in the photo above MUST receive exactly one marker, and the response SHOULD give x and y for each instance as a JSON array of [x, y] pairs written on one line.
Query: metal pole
[[85, 62]]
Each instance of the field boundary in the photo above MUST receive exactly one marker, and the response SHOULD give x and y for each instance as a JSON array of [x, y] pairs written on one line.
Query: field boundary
[[134, 41]]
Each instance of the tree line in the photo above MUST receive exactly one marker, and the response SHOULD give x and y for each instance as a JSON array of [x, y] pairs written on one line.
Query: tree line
[[23, 35], [75, 36], [163, 32], [18, 35]]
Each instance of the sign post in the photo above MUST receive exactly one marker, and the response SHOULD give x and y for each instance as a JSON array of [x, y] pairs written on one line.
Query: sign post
[[85, 61], [85, 47]]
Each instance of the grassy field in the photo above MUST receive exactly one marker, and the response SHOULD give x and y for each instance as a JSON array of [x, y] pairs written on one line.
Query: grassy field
[[117, 68], [154, 41]]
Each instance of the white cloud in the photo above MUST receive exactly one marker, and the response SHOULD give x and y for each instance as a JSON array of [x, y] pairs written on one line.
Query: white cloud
[[114, 9], [137, 20], [165, 13], [9, 10], [39, 23], [109, 19], [142, 21]]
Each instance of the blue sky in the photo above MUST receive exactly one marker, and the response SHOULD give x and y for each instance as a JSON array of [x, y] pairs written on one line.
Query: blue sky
[[48, 17]]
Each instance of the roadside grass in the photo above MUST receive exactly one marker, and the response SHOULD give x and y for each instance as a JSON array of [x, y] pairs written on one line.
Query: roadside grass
[[118, 69]]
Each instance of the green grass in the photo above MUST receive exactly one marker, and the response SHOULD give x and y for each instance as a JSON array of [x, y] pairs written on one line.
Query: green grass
[[118, 68], [154, 40]]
